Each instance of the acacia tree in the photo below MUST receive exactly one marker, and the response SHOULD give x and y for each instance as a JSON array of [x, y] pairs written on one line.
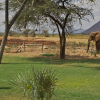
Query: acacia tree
[[8, 24], [64, 13]]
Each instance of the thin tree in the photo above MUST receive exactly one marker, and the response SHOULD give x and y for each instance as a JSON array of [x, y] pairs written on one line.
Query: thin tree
[[8, 25]]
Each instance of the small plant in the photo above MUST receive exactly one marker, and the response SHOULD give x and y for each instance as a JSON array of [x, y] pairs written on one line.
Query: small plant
[[48, 54], [41, 87], [92, 50]]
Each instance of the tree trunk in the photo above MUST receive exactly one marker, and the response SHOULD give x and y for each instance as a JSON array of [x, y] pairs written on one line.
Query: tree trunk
[[3, 43], [8, 25], [62, 45], [6, 31], [62, 42]]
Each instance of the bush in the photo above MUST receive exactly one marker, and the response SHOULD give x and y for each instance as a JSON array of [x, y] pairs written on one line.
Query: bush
[[26, 32], [45, 32], [41, 87]]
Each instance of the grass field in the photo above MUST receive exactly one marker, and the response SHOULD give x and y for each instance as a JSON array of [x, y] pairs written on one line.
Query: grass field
[[78, 80]]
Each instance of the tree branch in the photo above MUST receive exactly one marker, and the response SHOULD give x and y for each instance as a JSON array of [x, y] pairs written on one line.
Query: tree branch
[[58, 30], [17, 14], [19, 3], [56, 21], [66, 20]]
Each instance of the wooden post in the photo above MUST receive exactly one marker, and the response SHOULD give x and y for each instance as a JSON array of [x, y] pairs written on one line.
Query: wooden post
[[24, 45], [42, 46]]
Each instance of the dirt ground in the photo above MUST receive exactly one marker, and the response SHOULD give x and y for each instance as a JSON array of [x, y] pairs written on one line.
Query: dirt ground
[[30, 40], [50, 46]]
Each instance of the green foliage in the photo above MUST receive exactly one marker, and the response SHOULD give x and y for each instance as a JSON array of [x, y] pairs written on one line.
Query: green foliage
[[93, 51], [1, 8], [27, 15], [35, 10], [40, 87]]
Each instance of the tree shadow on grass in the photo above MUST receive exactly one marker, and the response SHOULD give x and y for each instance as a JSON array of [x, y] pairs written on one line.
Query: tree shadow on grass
[[5, 88], [96, 68], [57, 61], [69, 60], [15, 63]]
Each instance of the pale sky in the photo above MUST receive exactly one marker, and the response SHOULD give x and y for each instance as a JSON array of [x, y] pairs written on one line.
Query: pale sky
[[85, 25]]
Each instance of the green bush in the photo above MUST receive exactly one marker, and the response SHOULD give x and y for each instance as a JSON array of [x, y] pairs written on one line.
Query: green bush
[[40, 87]]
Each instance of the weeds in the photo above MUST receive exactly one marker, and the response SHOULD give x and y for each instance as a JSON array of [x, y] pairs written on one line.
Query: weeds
[[80, 44], [93, 51]]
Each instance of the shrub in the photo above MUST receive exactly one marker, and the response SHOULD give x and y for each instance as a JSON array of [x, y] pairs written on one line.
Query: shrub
[[41, 87], [45, 32], [26, 32]]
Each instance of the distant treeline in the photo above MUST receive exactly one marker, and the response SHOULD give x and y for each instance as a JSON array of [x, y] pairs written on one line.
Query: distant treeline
[[45, 33]]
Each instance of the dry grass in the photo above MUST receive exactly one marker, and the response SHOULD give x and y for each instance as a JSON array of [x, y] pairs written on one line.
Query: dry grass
[[24, 54], [76, 40], [71, 52], [37, 38]]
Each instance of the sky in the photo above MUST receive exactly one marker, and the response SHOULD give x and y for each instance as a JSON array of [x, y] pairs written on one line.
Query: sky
[[85, 24]]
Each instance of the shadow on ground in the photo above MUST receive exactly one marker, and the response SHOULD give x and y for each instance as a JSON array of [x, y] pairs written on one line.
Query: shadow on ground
[[53, 60], [57, 61], [5, 88]]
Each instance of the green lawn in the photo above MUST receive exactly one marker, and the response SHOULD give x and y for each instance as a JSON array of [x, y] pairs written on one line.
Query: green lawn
[[78, 79]]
